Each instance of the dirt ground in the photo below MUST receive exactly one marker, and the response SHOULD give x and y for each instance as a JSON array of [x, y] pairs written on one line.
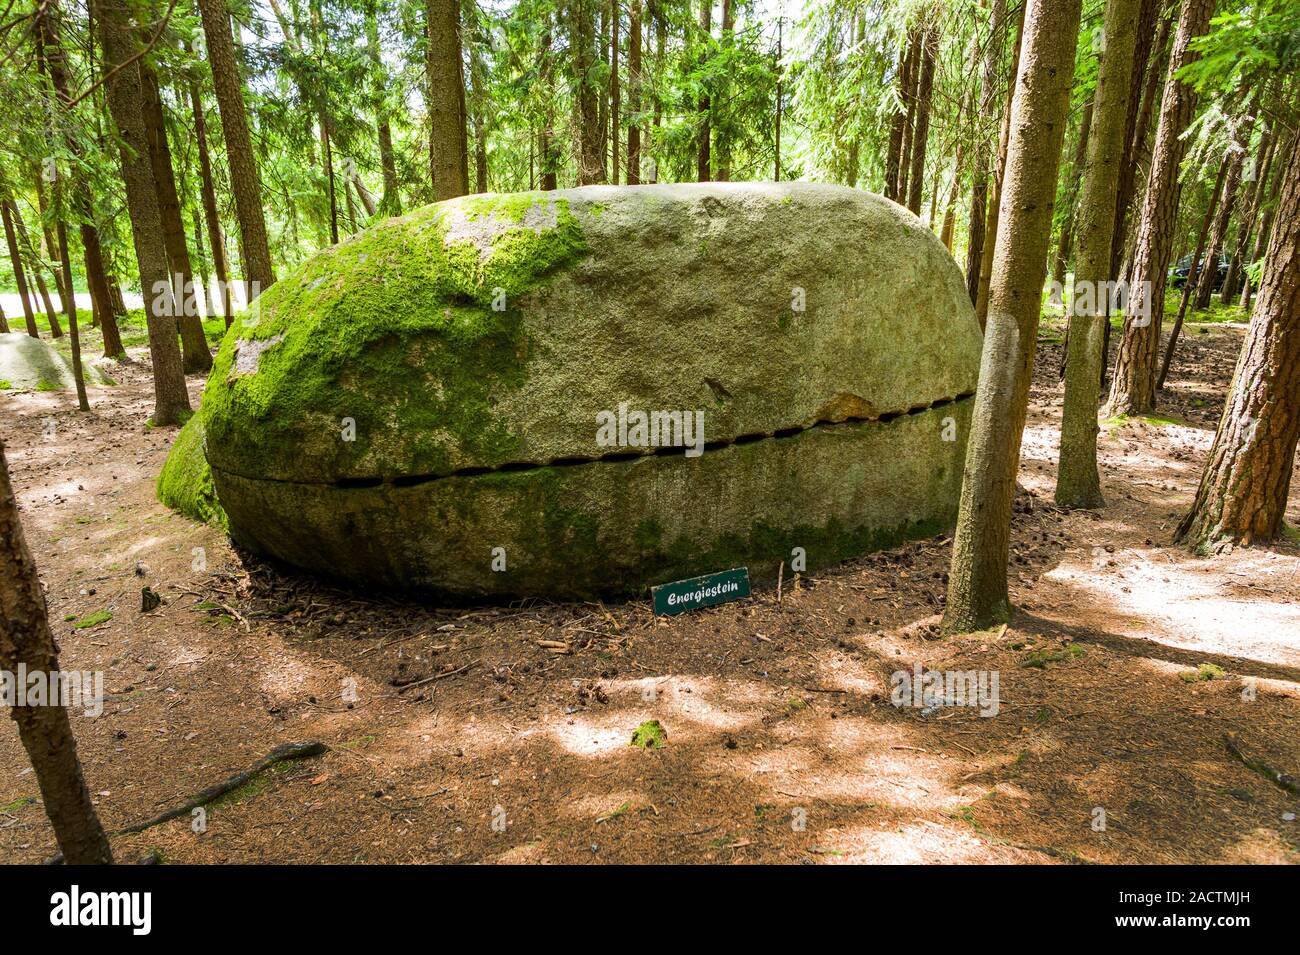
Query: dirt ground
[[503, 734]]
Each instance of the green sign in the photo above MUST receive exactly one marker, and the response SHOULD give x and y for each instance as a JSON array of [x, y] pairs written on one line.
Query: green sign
[[703, 591]]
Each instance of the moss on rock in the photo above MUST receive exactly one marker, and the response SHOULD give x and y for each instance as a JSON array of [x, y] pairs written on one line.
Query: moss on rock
[[185, 481]]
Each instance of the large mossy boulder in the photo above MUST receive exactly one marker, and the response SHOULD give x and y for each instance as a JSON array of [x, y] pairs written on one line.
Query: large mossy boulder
[[421, 405], [28, 363]]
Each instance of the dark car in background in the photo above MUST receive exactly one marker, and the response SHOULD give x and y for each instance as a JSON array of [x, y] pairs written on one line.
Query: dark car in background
[[1178, 274]]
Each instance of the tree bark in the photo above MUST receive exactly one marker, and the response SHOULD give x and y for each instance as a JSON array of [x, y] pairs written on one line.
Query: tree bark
[[449, 152], [1078, 483], [1207, 277], [615, 104], [208, 194], [1254, 192], [1243, 491], [582, 44], [390, 204], [703, 157], [979, 198], [921, 134], [633, 174], [34, 262], [995, 199], [1194, 270], [195, 355], [46, 734], [909, 120], [977, 587], [546, 139], [1063, 248], [1148, 62], [1133, 390], [245, 181], [20, 273], [1266, 222], [171, 401]]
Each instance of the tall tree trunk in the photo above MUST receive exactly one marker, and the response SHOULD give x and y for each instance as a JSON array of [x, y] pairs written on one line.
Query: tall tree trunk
[[245, 182], [1210, 274], [204, 277], [1065, 246], [546, 139], [1242, 497], [977, 582], [975, 233], [20, 273], [171, 401], [921, 134], [70, 304], [1148, 64], [391, 202], [899, 117], [780, 77], [478, 103], [1078, 483], [1251, 201], [208, 194], [995, 199], [449, 153], [703, 155], [633, 176], [1133, 388], [195, 355], [51, 247], [46, 734], [1270, 208], [582, 44], [1194, 271], [34, 263], [909, 120], [723, 134], [614, 92]]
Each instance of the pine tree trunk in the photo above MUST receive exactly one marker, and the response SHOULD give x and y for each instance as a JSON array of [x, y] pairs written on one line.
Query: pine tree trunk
[[1066, 245], [1208, 275], [1250, 202], [615, 104], [979, 199], [1133, 388], [1194, 271], [245, 182], [34, 263], [204, 277], [1243, 492], [582, 48], [448, 143], [921, 134], [546, 139], [20, 273], [208, 194], [45, 732], [171, 401], [977, 587], [391, 202], [1148, 68], [897, 123], [1078, 484], [909, 121], [1266, 222], [70, 304], [194, 345], [703, 156], [633, 175], [995, 199]]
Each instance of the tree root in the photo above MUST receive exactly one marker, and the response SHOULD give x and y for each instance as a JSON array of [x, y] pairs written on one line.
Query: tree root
[[1257, 765]]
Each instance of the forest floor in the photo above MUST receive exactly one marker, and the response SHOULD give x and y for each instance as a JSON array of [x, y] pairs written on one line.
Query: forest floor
[[1123, 669]]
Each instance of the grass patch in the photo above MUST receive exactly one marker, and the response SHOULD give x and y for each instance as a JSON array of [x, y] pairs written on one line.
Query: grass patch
[[18, 803]]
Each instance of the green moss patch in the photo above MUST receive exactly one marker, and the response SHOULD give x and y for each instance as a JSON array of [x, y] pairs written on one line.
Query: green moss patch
[[650, 735], [1204, 672], [93, 619], [410, 329], [185, 481]]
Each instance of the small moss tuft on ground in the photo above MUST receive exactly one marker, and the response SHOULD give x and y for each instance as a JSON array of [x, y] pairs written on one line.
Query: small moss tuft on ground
[[650, 735], [1206, 672], [94, 619]]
